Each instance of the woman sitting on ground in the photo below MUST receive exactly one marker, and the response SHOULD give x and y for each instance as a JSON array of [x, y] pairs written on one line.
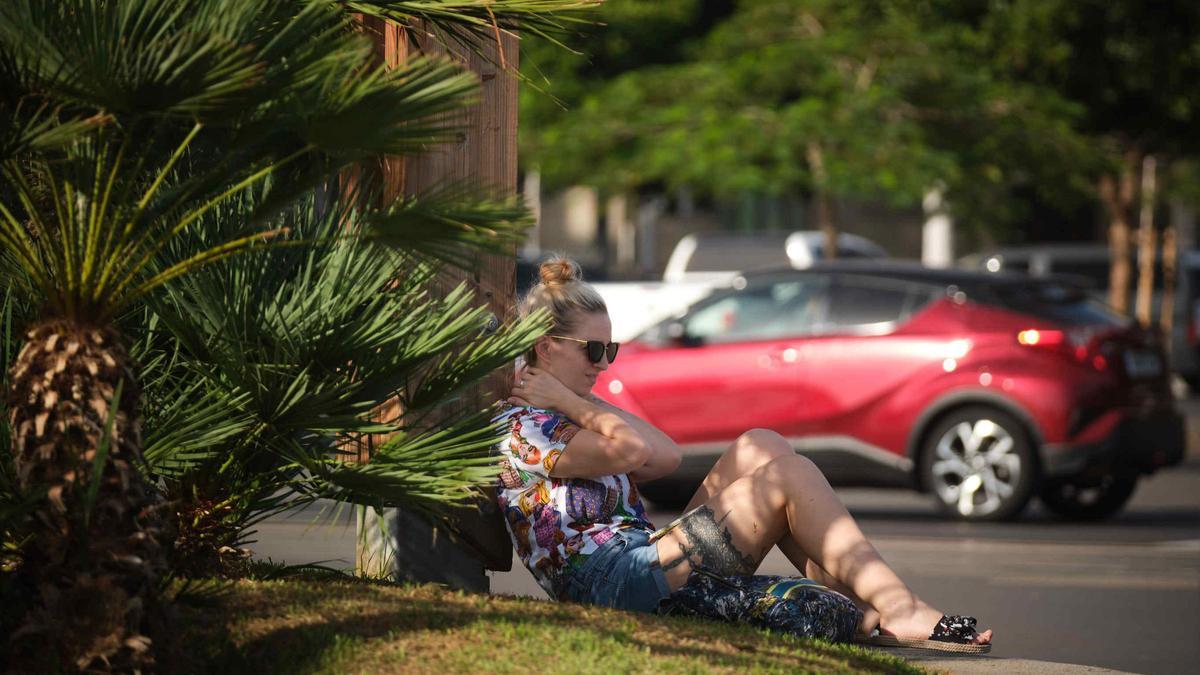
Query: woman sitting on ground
[[568, 489]]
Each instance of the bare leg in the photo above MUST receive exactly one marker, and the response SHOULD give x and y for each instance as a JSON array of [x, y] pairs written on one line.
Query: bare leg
[[747, 454], [787, 497]]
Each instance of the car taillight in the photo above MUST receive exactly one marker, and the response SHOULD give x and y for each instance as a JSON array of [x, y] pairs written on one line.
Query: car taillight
[[1040, 338], [1080, 344]]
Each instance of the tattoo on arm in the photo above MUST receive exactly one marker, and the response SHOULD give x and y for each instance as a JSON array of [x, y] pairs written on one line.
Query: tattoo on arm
[[675, 563], [710, 545]]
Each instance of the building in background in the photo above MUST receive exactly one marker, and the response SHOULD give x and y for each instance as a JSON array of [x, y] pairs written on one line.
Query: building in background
[[626, 238]]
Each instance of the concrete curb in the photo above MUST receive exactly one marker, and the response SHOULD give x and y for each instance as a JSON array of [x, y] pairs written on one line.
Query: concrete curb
[[968, 664]]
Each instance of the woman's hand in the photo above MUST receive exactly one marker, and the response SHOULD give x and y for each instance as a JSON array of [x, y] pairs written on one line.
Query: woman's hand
[[538, 388]]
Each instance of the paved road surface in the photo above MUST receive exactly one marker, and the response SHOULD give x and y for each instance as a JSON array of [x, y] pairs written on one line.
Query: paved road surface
[[1122, 594]]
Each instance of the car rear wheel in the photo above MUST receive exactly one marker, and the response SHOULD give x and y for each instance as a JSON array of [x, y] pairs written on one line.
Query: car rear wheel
[[979, 464], [1082, 499]]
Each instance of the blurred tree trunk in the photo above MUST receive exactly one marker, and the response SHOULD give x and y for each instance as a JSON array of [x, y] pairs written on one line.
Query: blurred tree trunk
[[621, 233], [820, 179], [1147, 244], [1116, 193], [485, 153], [531, 190], [937, 233], [1170, 267]]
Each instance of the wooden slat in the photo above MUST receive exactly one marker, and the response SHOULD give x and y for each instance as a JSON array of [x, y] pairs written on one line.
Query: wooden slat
[[484, 153]]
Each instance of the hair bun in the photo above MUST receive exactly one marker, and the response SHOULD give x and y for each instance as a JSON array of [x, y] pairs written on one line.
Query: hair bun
[[559, 271]]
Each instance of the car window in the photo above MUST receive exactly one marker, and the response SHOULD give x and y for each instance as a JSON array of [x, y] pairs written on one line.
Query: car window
[[1062, 303], [1009, 265], [869, 304], [760, 312], [844, 252], [1095, 271]]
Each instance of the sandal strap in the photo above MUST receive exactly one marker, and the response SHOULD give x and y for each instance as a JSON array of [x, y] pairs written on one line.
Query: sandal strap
[[954, 629]]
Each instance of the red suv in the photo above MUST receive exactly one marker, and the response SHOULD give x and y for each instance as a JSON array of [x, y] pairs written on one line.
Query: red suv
[[982, 389]]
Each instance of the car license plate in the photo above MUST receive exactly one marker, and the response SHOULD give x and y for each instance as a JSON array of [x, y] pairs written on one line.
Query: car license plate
[[1142, 364]]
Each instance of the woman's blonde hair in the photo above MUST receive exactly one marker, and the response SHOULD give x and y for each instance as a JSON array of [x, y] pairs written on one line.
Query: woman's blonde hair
[[563, 293]]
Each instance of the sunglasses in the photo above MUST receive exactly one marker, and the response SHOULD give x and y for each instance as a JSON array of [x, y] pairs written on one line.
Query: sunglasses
[[595, 348]]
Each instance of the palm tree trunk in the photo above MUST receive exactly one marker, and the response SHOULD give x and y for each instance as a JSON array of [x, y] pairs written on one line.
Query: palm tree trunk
[[487, 154], [96, 564]]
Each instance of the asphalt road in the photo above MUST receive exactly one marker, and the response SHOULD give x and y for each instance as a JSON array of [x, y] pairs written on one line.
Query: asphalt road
[[1122, 594]]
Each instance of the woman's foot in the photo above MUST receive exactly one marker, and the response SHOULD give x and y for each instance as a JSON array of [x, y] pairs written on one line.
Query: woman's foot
[[917, 621], [870, 620]]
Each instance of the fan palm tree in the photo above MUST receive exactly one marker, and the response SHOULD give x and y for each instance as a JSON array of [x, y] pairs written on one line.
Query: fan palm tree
[[123, 123], [259, 368]]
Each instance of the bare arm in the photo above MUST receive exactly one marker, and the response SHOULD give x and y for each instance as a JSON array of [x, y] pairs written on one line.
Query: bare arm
[[608, 444], [665, 454]]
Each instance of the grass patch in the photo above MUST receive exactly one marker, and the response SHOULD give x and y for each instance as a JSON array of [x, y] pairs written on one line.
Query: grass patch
[[306, 626]]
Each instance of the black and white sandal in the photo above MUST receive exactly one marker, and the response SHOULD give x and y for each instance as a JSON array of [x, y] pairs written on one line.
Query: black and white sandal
[[952, 634]]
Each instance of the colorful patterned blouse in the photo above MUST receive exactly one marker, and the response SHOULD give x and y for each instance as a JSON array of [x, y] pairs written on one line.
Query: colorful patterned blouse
[[556, 523]]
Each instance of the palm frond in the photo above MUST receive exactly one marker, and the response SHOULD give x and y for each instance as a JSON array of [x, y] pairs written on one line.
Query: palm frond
[[28, 125], [186, 58], [467, 21], [423, 471], [191, 427], [456, 370], [453, 223], [296, 347], [190, 592], [385, 110], [82, 242], [319, 336]]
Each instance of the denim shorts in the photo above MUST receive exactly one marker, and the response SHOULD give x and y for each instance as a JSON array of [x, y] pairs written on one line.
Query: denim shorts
[[623, 573]]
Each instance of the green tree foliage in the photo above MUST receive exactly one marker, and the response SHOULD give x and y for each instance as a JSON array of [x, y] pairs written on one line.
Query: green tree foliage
[[986, 99], [1131, 69]]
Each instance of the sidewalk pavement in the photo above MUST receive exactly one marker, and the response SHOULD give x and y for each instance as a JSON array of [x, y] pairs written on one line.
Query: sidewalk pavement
[[988, 664]]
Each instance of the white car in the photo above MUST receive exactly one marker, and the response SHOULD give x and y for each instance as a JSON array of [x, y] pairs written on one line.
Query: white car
[[704, 261], [719, 256]]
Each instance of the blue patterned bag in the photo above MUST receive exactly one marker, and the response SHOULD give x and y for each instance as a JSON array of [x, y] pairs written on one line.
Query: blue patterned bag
[[795, 605]]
